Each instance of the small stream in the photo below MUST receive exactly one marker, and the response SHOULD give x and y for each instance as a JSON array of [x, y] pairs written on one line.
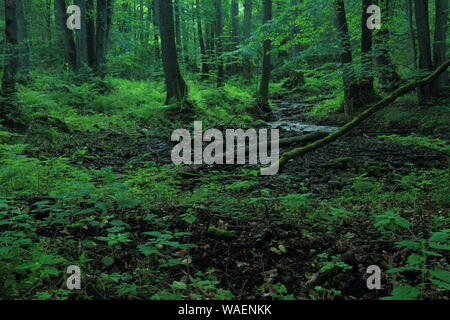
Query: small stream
[[288, 114]]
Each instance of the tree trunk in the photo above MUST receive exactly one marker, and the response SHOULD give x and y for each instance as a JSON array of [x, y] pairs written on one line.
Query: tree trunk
[[67, 35], [351, 92], [367, 92], [82, 45], [23, 40], [8, 108], [263, 98], [90, 33], [234, 33], [410, 16], [219, 45], [248, 12], [423, 32], [295, 30], [155, 17], [178, 29], [203, 57], [389, 78], [101, 31], [439, 48], [175, 85]]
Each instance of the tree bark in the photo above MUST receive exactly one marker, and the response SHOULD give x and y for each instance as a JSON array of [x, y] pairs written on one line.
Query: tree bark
[[389, 78], [219, 44], [101, 32], [423, 32], [23, 40], [439, 45], [248, 12], [90, 33], [203, 56], [8, 108], [361, 117], [367, 92], [81, 43], [175, 84], [234, 33], [351, 90], [263, 97], [412, 35], [67, 35]]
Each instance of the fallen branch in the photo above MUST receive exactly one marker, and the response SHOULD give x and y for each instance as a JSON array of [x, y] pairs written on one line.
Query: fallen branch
[[305, 138], [360, 118]]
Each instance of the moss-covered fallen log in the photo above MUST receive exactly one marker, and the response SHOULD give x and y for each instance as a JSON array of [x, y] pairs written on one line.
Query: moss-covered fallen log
[[360, 118], [301, 139]]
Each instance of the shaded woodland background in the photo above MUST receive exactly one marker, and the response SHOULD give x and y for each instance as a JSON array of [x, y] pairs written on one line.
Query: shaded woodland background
[[86, 177]]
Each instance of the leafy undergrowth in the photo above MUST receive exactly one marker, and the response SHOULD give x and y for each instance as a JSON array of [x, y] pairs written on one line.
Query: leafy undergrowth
[[98, 191]]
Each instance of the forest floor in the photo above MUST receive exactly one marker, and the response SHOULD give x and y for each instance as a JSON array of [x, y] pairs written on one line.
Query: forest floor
[[259, 254], [112, 202]]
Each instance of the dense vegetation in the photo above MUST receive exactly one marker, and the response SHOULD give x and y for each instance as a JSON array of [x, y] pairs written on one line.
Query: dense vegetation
[[86, 177]]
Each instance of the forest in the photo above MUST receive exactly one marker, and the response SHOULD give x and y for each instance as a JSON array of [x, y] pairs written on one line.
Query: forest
[[224, 150]]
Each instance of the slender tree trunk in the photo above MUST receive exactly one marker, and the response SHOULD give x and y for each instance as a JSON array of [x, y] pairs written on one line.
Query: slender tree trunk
[[48, 21], [439, 48], [205, 66], [351, 90], [155, 17], [101, 33], [295, 30], [423, 32], [90, 33], [82, 45], [367, 92], [389, 78], [24, 46], [67, 35], [175, 84], [8, 108], [109, 21], [248, 12], [234, 32], [263, 99], [219, 44], [178, 29], [410, 16]]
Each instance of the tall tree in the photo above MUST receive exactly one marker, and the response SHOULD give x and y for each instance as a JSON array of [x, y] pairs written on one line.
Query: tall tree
[[219, 43], [203, 56], [234, 32], [81, 43], [439, 47], [66, 34], [90, 33], [248, 12], [412, 35], [24, 47], [351, 89], [175, 85], [8, 89], [263, 97], [423, 33], [367, 92], [389, 78]]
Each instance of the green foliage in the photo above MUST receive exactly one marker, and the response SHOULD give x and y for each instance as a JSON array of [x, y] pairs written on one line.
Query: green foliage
[[425, 259]]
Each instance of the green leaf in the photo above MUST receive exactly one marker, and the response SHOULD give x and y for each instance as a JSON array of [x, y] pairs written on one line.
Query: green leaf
[[415, 259], [408, 244], [405, 292], [107, 261], [178, 285], [441, 274]]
